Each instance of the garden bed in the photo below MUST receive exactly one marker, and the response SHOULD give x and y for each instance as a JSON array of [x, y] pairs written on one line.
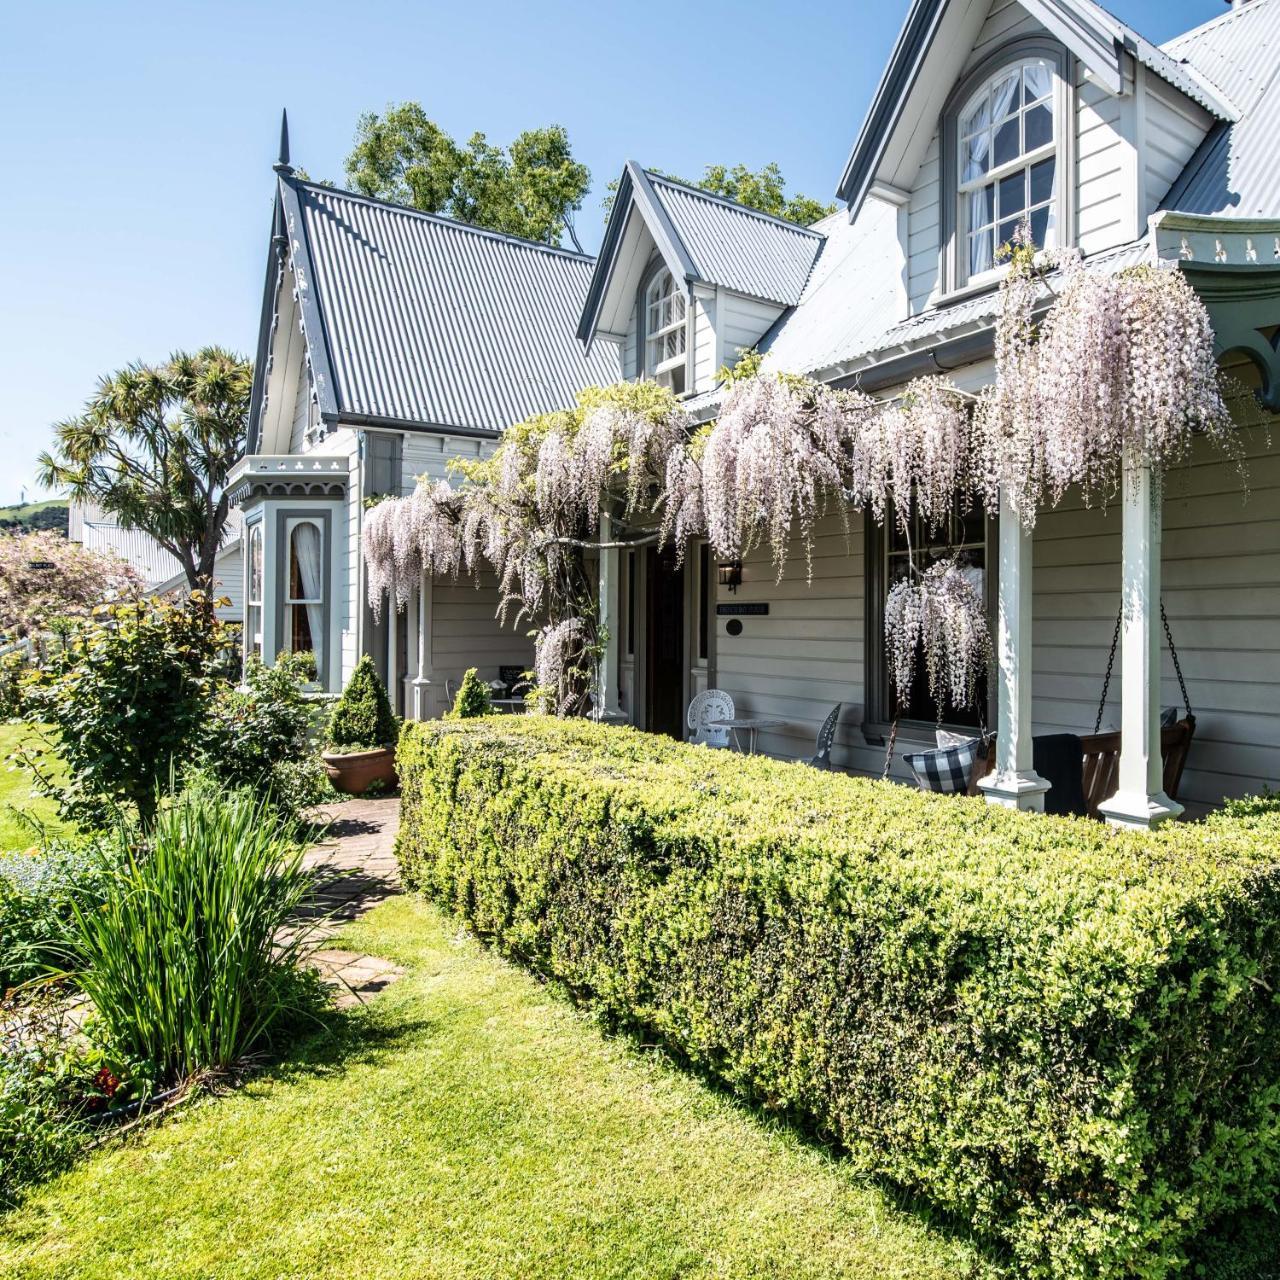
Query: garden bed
[[1066, 1036]]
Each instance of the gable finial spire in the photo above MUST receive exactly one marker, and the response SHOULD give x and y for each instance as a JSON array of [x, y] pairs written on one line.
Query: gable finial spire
[[282, 165]]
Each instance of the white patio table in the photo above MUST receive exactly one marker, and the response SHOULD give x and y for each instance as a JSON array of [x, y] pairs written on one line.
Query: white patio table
[[750, 725]]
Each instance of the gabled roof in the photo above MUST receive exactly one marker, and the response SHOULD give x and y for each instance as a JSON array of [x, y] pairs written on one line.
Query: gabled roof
[[935, 40], [703, 239], [1236, 171], [414, 320]]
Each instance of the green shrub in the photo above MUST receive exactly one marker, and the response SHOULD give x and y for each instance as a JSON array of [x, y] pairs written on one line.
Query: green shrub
[[472, 699], [127, 697], [262, 734], [1065, 1035], [362, 718], [37, 890], [182, 960]]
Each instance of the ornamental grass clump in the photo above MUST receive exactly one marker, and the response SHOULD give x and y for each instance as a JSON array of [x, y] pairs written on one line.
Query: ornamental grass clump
[[184, 960], [1065, 1036]]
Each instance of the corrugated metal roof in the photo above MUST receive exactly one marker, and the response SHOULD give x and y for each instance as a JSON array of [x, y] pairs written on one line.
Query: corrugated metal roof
[[430, 322], [1236, 171], [739, 248]]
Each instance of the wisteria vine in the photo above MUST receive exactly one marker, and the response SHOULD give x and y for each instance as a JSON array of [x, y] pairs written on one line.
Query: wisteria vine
[[1119, 366]]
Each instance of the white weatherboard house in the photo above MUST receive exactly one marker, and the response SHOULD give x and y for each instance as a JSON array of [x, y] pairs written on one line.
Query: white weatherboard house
[[392, 341]]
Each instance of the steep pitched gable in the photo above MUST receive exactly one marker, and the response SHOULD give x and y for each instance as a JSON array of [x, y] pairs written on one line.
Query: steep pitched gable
[[702, 239], [927, 59]]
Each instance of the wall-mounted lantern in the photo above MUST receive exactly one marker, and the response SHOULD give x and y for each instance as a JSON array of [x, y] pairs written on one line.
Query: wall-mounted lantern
[[730, 572]]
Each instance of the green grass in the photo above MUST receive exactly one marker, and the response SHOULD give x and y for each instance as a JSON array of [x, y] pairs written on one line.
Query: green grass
[[469, 1123], [16, 797]]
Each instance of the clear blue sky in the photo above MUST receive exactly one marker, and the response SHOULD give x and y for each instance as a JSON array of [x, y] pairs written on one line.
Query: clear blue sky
[[136, 139]]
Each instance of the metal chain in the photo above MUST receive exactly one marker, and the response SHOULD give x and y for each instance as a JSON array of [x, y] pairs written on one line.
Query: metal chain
[[1111, 661], [1173, 653], [1111, 658]]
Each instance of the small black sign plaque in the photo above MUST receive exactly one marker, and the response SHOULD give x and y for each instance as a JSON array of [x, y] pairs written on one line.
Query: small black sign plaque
[[752, 609]]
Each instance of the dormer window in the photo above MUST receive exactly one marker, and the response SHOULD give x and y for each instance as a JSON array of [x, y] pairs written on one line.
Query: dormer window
[[1006, 164], [665, 332]]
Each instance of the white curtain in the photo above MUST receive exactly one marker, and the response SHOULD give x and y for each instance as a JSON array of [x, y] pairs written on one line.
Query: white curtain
[[307, 550]]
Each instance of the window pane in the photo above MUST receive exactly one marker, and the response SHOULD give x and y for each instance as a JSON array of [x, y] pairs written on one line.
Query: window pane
[[1038, 80], [1040, 226], [980, 252], [1013, 193], [976, 156], [1005, 97], [981, 207], [255, 565], [1042, 181], [978, 118], [1007, 231], [1039, 127], [1007, 142]]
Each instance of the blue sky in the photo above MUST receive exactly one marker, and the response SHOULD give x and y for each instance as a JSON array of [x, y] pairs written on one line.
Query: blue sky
[[136, 139]]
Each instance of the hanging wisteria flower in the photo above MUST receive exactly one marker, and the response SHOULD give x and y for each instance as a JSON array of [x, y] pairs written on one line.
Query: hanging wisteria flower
[[404, 538], [938, 614], [558, 650]]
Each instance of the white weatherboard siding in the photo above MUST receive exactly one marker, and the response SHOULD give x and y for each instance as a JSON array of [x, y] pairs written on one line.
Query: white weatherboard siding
[[304, 414], [1222, 593], [1006, 21], [1102, 155], [807, 655], [465, 632], [429, 455], [923, 231], [1173, 126], [705, 347], [742, 322]]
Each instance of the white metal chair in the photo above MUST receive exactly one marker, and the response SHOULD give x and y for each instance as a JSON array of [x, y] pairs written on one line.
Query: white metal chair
[[710, 704]]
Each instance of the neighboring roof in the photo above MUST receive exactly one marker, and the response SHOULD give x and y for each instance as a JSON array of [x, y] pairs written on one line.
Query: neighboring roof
[[703, 239], [1099, 39], [1236, 170], [428, 322]]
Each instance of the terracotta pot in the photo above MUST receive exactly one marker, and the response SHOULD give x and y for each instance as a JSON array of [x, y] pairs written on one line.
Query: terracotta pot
[[353, 773]]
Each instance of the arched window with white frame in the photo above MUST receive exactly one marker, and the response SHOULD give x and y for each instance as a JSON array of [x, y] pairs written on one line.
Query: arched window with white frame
[[304, 600], [1007, 163], [253, 592], [665, 331]]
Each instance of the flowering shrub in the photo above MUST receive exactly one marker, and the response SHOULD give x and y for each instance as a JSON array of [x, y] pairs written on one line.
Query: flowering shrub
[[45, 576]]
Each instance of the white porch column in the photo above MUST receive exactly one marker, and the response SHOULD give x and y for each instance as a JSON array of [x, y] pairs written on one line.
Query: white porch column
[[1140, 801], [419, 692], [1014, 783], [607, 676]]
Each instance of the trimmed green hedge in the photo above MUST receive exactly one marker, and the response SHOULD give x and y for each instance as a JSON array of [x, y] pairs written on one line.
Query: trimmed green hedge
[[1065, 1035]]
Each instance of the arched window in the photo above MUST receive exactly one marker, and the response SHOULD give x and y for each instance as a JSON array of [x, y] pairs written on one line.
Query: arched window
[[1007, 163], [253, 593], [304, 591], [665, 331]]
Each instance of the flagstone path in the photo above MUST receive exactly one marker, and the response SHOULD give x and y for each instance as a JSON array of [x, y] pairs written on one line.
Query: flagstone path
[[355, 870]]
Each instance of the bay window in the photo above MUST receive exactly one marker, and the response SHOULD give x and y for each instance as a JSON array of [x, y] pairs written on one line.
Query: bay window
[[253, 593], [304, 599]]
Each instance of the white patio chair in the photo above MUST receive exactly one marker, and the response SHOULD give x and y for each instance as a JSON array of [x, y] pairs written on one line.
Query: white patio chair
[[710, 704]]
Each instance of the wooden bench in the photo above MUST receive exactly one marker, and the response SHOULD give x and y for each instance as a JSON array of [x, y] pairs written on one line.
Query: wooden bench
[[1102, 762]]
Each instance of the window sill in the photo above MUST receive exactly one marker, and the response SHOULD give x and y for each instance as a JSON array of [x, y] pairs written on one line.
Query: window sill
[[974, 289]]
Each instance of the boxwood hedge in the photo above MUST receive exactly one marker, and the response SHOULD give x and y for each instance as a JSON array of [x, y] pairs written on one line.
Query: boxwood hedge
[[1066, 1035]]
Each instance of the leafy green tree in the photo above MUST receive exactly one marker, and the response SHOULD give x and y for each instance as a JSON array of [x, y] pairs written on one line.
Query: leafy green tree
[[532, 189], [765, 189], [127, 699], [153, 448]]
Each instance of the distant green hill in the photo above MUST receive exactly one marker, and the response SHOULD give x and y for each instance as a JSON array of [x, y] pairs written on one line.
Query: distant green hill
[[30, 516]]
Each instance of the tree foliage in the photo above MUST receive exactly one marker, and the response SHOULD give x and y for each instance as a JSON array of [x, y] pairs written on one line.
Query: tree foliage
[[531, 189], [153, 448], [44, 577]]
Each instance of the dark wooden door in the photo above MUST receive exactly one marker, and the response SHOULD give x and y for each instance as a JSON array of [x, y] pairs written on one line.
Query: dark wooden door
[[664, 647]]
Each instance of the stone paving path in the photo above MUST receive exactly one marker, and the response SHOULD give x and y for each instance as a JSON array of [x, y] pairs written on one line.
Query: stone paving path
[[355, 870]]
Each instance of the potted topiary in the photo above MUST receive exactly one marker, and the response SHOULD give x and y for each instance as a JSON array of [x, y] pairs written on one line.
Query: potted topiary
[[474, 698], [362, 731]]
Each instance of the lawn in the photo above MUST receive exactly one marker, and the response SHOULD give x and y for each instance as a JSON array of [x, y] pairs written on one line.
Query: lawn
[[469, 1123], [16, 796]]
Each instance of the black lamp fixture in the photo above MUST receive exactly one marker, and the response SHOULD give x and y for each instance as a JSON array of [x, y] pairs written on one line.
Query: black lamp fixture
[[730, 572]]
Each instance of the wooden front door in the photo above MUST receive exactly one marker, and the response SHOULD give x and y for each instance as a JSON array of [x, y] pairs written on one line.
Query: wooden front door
[[664, 644]]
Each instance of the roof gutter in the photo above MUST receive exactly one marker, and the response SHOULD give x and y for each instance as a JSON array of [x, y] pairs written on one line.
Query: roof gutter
[[946, 357]]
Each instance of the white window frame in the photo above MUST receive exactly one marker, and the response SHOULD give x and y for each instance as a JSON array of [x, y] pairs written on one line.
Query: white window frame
[[254, 605], [289, 601], [661, 289], [1022, 163]]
